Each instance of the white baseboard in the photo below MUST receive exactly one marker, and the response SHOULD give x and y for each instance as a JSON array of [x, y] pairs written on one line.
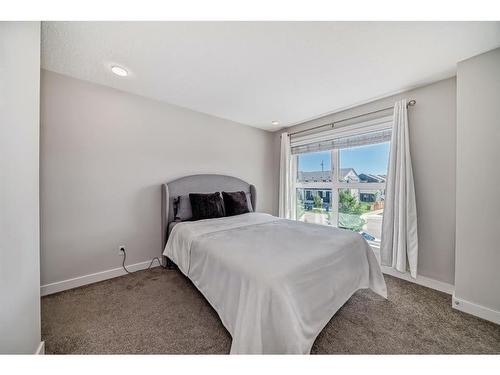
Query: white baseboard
[[420, 280], [476, 310], [41, 348], [59, 286]]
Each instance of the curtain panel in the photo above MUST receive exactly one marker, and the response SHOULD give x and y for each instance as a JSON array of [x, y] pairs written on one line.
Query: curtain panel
[[399, 243], [286, 183]]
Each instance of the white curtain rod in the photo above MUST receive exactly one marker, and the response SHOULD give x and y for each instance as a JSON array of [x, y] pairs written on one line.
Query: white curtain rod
[[332, 124]]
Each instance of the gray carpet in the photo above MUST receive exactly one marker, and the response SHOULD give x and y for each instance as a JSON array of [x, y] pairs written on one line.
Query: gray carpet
[[160, 311]]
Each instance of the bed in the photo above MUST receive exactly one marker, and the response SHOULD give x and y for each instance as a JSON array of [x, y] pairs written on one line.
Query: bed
[[275, 283]]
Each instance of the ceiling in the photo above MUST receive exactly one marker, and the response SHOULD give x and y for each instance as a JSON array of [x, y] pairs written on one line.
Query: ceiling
[[257, 72]]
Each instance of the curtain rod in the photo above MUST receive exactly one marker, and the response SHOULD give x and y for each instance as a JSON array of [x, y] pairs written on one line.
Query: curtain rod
[[332, 124]]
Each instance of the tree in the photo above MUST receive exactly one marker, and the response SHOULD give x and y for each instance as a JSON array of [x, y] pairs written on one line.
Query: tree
[[349, 210], [348, 203], [318, 202]]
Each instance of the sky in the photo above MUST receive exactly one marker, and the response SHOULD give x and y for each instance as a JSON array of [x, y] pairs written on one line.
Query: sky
[[371, 159]]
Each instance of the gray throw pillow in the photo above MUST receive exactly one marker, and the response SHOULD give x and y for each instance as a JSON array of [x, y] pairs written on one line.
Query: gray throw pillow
[[184, 212], [249, 201]]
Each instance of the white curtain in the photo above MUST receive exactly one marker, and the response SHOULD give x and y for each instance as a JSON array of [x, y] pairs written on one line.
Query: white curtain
[[399, 247], [285, 193]]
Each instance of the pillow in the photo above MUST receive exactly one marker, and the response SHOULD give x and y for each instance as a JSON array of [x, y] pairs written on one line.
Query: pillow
[[184, 212], [235, 203], [206, 206], [249, 202]]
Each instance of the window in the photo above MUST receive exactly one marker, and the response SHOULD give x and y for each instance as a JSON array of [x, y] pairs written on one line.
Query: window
[[340, 179]]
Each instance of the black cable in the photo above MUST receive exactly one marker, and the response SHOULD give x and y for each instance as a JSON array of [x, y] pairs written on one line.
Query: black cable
[[149, 267], [152, 260], [123, 263]]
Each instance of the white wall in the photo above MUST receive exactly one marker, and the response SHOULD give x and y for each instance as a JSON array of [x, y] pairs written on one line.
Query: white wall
[[104, 155], [432, 139], [478, 178], [19, 213]]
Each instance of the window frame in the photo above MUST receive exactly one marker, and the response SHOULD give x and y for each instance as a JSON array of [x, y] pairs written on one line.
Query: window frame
[[335, 185]]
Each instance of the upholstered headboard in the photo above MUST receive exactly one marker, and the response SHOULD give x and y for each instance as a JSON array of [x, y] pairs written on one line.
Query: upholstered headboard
[[199, 183]]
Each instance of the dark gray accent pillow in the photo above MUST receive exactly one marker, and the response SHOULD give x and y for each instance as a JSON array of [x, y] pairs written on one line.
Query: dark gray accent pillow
[[184, 212], [206, 206], [235, 203]]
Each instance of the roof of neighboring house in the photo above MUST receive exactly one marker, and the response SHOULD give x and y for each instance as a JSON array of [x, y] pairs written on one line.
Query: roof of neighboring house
[[326, 176], [371, 177], [323, 176]]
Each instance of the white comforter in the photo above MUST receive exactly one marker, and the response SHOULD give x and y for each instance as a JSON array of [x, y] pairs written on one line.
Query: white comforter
[[275, 283]]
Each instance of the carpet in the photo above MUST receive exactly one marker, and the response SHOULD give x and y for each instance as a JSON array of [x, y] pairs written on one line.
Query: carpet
[[160, 311]]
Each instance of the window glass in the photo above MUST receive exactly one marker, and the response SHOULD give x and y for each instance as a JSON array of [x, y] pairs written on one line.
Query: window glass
[[366, 164], [314, 205], [314, 167], [345, 186], [361, 210], [314, 190]]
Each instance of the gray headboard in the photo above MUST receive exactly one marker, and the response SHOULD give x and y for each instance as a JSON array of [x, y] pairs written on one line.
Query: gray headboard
[[199, 183]]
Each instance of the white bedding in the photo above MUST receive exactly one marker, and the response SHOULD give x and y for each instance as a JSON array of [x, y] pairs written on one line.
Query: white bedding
[[275, 283]]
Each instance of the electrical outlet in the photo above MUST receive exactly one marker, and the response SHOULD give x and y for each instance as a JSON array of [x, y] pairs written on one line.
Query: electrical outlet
[[121, 251]]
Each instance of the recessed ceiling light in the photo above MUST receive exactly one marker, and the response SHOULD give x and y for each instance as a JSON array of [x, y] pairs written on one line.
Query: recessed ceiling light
[[275, 122], [119, 71]]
